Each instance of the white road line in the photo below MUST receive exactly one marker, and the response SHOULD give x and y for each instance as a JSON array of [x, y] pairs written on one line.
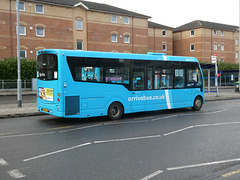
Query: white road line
[[152, 175], [157, 119], [203, 164], [180, 130], [24, 135], [3, 162], [127, 139], [127, 122], [55, 152], [16, 174], [75, 129], [217, 124]]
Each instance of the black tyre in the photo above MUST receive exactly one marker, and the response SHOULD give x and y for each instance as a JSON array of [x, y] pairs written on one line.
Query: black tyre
[[115, 111], [198, 102]]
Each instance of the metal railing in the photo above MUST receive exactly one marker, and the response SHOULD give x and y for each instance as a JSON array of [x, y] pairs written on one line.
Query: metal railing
[[11, 85]]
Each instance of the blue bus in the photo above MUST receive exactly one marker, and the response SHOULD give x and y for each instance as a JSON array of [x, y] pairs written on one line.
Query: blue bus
[[81, 84]]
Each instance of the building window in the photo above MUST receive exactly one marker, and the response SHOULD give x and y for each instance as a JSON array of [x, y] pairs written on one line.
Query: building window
[[23, 53], [222, 60], [236, 55], [215, 46], [222, 47], [164, 47], [79, 25], [126, 39], [236, 42], [214, 32], [192, 47], [222, 33], [39, 8], [79, 45], [22, 30], [126, 20], [114, 18], [21, 6], [40, 31], [192, 33], [114, 38], [164, 33]]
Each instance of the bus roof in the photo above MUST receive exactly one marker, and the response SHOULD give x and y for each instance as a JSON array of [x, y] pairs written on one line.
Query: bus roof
[[96, 54]]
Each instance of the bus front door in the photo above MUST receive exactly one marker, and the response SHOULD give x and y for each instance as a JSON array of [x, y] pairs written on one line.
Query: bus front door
[[138, 102]]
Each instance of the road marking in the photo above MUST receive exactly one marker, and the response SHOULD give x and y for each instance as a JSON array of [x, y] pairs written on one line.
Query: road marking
[[3, 162], [127, 122], [65, 127], [152, 175], [24, 135], [56, 152], [127, 139], [75, 129], [231, 173], [217, 124], [157, 119], [180, 130], [16, 174], [8, 133], [203, 164]]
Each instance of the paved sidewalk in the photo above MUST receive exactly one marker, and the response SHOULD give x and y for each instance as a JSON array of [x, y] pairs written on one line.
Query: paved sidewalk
[[30, 109]]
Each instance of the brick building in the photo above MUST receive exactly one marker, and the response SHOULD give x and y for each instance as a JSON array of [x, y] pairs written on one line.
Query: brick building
[[160, 38], [201, 39], [75, 24]]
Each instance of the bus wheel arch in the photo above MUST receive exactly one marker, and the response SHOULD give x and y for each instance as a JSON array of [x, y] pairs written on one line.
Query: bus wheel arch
[[115, 110], [197, 103]]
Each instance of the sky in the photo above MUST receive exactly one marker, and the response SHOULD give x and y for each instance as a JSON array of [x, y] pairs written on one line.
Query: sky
[[174, 13]]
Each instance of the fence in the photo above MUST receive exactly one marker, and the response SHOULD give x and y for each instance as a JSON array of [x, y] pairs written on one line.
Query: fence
[[11, 85]]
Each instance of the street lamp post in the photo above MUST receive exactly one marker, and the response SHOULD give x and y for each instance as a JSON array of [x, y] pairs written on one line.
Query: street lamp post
[[19, 89]]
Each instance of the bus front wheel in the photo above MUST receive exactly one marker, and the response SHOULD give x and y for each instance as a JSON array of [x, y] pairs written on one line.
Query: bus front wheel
[[198, 102], [115, 111]]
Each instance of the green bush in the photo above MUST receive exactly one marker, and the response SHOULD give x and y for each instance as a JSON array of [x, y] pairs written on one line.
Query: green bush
[[8, 68]]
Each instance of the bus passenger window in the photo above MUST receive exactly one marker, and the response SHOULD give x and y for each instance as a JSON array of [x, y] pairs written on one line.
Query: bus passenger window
[[179, 78], [138, 79], [92, 74], [149, 82]]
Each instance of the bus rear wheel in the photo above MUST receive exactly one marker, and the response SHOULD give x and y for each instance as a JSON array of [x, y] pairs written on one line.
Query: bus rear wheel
[[198, 102], [115, 111]]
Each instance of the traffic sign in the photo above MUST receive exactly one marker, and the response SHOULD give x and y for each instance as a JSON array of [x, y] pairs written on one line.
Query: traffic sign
[[214, 59], [215, 54]]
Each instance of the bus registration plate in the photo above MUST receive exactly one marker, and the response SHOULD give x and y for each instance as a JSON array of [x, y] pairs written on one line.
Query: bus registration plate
[[45, 110]]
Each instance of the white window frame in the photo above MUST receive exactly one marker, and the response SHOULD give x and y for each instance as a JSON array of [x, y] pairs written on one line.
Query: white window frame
[[215, 46], [222, 47], [192, 32], [164, 32], [126, 20], [82, 45], [25, 53], [192, 45], [40, 12], [79, 24], [115, 38], [236, 42], [236, 55], [164, 47], [24, 29], [222, 33], [23, 3], [215, 32], [127, 40], [40, 35], [113, 18]]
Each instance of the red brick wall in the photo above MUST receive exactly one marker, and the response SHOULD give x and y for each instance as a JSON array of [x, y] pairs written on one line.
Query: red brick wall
[[58, 34]]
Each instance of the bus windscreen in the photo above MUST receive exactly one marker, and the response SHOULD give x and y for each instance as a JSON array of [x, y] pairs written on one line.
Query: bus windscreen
[[47, 67]]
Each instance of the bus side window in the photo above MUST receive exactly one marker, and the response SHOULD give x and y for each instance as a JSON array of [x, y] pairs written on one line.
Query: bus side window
[[92, 74], [179, 78]]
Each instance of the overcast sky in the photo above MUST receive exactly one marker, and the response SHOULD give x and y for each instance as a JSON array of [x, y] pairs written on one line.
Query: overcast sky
[[175, 13]]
